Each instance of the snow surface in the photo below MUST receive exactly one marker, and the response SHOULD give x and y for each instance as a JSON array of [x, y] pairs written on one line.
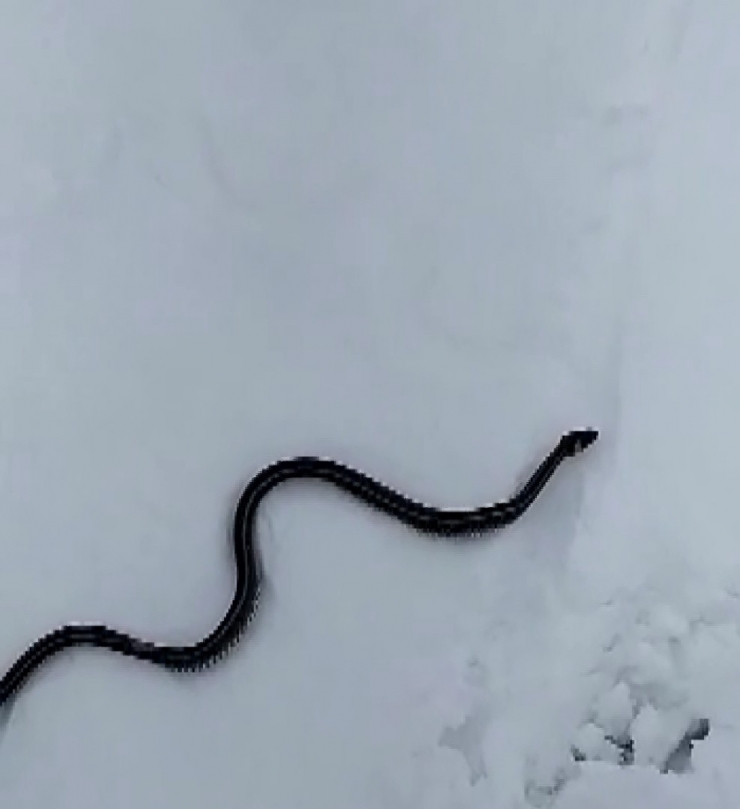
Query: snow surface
[[423, 238]]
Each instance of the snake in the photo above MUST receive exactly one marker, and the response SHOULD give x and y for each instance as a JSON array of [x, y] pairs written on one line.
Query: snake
[[424, 518]]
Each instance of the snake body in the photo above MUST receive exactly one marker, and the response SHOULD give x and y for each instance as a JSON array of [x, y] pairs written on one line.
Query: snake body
[[420, 516]]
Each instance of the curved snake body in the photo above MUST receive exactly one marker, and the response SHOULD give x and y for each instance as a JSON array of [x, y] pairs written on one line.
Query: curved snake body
[[422, 517]]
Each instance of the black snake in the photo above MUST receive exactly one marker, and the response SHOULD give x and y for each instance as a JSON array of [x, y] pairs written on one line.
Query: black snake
[[424, 518]]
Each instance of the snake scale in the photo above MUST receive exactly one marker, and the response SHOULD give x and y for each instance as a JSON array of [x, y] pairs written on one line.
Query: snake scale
[[424, 518]]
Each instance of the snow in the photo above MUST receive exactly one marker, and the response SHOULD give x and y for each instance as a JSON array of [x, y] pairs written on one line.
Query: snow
[[424, 239]]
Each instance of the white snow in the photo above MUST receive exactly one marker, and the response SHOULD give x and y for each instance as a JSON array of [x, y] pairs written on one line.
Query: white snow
[[424, 239]]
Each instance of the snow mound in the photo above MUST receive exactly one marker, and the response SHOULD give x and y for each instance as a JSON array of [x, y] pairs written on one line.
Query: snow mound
[[660, 694]]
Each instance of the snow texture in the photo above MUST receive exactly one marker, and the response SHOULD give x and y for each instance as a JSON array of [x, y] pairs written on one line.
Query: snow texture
[[424, 239]]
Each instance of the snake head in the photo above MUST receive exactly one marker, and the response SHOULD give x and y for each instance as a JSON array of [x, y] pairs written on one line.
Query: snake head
[[577, 440]]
